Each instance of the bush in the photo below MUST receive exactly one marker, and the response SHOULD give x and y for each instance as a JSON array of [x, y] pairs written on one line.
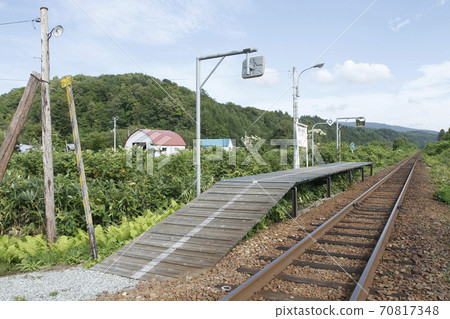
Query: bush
[[31, 252], [437, 156]]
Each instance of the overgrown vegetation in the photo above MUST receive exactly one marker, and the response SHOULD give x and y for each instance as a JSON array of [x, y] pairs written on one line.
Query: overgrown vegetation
[[437, 157], [31, 252], [128, 200]]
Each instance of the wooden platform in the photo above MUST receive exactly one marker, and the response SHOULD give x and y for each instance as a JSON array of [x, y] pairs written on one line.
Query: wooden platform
[[203, 231]]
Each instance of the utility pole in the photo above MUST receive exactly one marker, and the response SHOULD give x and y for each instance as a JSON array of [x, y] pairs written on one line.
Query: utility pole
[[115, 118], [67, 83], [295, 116], [18, 121], [49, 191]]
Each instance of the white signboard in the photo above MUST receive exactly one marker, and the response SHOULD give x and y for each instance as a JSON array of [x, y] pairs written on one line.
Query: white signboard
[[302, 136]]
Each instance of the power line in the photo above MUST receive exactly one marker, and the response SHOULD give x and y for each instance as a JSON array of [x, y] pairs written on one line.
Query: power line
[[16, 80], [23, 21], [131, 57], [320, 56], [231, 76]]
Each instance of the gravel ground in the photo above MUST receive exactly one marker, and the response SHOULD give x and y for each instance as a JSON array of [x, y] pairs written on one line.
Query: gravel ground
[[416, 262], [73, 283]]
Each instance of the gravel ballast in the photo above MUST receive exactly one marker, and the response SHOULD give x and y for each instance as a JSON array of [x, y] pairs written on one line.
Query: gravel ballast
[[74, 283]]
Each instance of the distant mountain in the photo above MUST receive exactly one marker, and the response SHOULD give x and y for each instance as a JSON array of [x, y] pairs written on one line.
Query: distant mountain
[[392, 127], [390, 132]]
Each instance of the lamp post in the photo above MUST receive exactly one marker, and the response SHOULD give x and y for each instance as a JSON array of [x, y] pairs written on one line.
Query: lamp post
[[357, 118], [252, 68], [312, 141], [329, 122], [47, 156], [295, 94]]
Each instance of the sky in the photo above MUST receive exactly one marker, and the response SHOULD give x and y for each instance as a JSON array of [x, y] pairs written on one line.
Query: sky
[[388, 61]]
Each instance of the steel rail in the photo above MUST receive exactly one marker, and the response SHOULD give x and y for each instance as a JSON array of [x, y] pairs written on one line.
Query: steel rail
[[261, 278], [362, 288]]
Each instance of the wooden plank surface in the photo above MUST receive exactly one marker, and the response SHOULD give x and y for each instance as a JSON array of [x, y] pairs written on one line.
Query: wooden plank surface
[[203, 231]]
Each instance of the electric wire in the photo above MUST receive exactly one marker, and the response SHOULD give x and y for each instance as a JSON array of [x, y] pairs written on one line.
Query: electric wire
[[319, 57], [230, 76], [131, 57], [16, 22]]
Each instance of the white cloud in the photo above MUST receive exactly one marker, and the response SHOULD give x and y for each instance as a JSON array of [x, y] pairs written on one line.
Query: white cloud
[[363, 72], [398, 23], [441, 2], [161, 22], [324, 76], [420, 103], [355, 73], [435, 83], [270, 77]]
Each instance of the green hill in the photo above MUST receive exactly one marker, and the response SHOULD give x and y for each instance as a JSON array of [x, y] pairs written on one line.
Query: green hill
[[140, 101]]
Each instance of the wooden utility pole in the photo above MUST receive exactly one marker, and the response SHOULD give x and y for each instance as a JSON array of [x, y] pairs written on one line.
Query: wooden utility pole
[[49, 191], [18, 121], [67, 83]]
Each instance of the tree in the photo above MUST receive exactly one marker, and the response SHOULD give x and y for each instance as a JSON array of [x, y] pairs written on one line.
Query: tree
[[401, 143], [441, 135]]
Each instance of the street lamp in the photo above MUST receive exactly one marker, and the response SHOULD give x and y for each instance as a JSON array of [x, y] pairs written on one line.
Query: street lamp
[[359, 120], [295, 105], [251, 68], [329, 122]]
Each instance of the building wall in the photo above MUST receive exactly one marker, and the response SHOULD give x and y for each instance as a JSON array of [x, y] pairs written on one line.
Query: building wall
[[166, 150], [142, 138], [138, 137]]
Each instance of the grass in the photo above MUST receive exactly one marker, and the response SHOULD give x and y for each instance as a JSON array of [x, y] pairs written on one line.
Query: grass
[[19, 298], [4, 268]]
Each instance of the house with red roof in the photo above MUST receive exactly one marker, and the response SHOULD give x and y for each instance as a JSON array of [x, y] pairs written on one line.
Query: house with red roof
[[163, 142]]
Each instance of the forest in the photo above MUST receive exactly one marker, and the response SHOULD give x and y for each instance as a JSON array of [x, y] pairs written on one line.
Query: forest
[[141, 101]]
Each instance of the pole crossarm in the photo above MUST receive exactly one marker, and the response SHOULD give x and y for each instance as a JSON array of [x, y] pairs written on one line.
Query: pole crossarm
[[236, 52]]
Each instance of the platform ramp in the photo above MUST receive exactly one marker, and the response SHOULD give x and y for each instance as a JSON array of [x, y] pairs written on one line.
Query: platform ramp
[[202, 232]]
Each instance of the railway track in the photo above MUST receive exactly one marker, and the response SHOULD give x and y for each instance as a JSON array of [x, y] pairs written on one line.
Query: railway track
[[339, 258]]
